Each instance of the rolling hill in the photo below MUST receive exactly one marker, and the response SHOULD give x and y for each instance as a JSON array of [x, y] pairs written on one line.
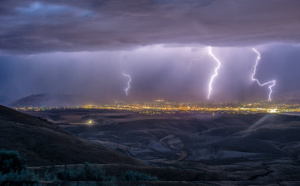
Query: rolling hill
[[43, 143]]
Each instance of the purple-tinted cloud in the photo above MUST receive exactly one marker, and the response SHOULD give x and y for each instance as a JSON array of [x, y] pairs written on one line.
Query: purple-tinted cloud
[[31, 26]]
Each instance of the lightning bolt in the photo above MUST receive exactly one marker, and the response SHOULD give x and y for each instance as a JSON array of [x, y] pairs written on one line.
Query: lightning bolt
[[128, 83], [216, 71], [270, 83]]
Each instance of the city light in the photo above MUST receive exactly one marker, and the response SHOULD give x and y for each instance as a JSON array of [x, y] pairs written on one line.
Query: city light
[[159, 107]]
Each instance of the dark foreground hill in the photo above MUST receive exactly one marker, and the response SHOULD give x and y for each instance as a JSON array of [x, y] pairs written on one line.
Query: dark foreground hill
[[253, 147], [43, 143]]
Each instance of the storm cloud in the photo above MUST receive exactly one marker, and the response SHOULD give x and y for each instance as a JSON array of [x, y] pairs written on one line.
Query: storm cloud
[[82, 47], [157, 71], [30, 27]]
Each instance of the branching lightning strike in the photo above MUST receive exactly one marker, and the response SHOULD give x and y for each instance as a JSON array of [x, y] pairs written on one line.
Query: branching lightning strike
[[270, 83], [216, 71], [128, 83]]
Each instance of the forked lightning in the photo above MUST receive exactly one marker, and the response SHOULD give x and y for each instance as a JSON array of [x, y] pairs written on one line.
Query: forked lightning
[[270, 83], [128, 83], [216, 71]]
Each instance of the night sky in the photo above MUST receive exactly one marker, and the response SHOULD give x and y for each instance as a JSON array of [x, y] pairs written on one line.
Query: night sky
[[82, 47]]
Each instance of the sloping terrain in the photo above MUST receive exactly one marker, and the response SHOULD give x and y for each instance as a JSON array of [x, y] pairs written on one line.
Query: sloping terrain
[[44, 143], [254, 147], [256, 136]]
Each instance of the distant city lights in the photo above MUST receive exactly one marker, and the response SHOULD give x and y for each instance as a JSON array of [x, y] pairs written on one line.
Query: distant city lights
[[158, 107]]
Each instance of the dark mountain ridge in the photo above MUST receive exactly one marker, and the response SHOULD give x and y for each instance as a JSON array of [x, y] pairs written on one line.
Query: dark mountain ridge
[[51, 100]]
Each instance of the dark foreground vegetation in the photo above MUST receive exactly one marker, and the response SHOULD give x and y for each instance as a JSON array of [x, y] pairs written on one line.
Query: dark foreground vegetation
[[14, 170]]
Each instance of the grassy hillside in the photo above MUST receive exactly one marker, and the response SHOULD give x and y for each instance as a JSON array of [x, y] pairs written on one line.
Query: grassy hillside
[[43, 143]]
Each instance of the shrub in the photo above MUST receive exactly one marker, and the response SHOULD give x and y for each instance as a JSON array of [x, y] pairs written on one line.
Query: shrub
[[22, 176], [50, 177], [87, 173], [10, 161], [138, 176]]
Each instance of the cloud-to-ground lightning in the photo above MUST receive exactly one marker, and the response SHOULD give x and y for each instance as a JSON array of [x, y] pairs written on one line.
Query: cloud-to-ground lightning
[[270, 83], [216, 71], [128, 83]]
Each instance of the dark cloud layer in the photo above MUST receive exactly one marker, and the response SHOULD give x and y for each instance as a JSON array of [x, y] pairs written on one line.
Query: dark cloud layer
[[84, 46], [30, 26]]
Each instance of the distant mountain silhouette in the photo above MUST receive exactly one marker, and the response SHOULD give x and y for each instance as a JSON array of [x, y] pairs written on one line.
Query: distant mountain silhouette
[[288, 97], [49, 100], [42, 142]]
